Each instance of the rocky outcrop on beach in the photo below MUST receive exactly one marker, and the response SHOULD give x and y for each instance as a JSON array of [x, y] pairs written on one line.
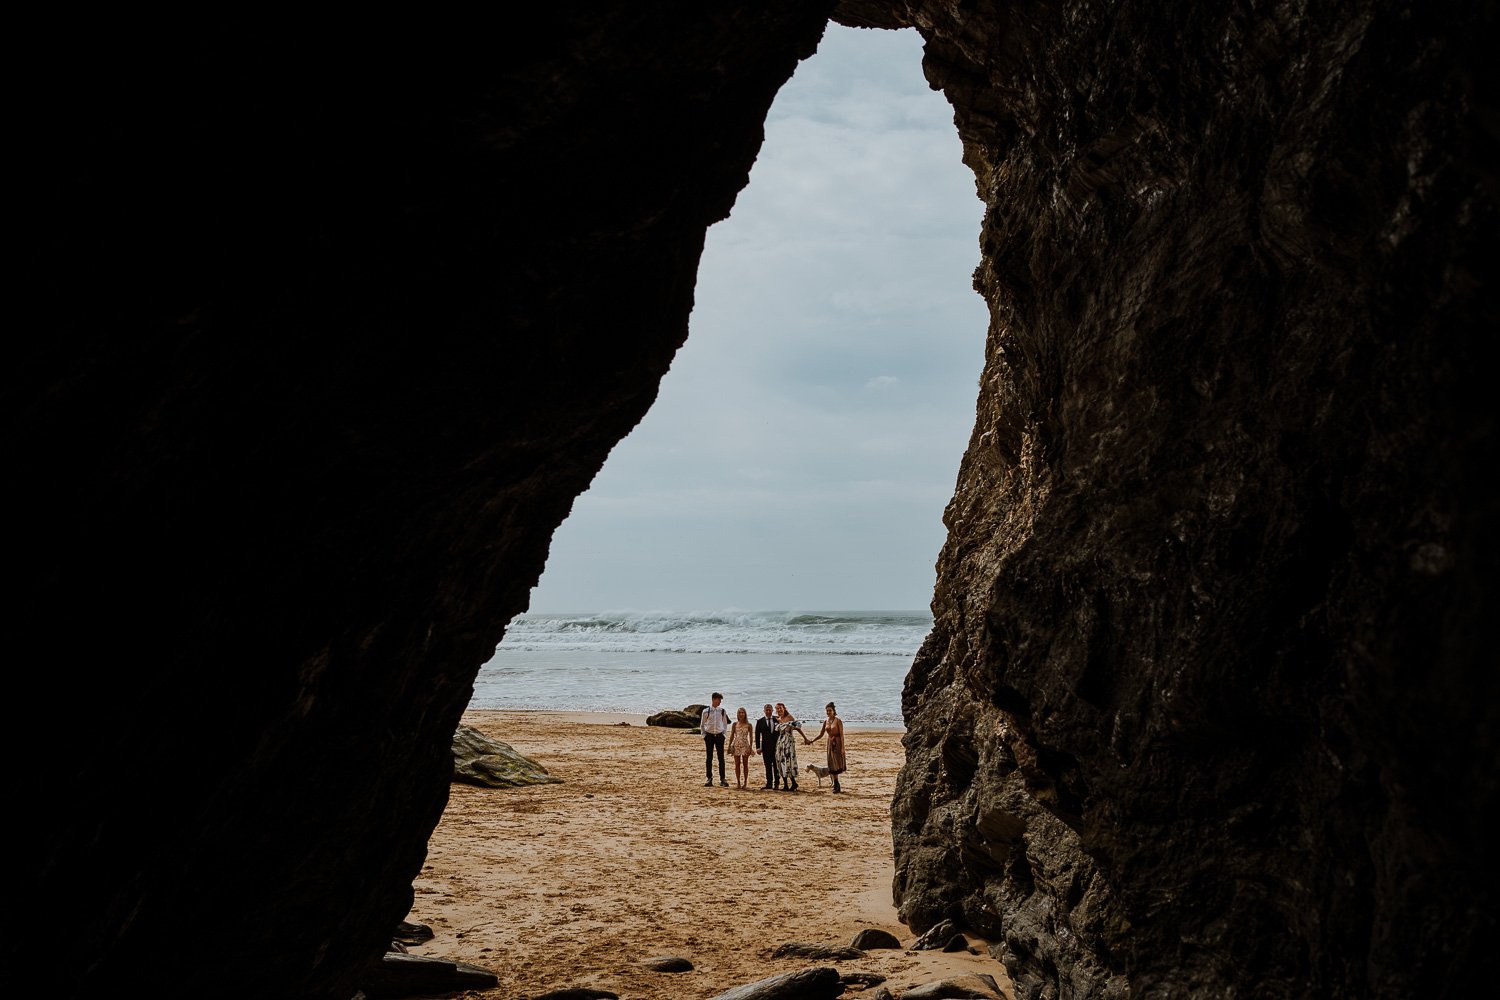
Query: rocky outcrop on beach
[[803, 984], [399, 975], [480, 760], [872, 938], [817, 952], [671, 718], [325, 333], [975, 987]]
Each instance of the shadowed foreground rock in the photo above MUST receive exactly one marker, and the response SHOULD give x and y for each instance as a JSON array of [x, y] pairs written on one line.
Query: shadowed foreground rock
[[479, 760], [400, 975], [976, 987], [818, 952], [803, 984], [332, 326]]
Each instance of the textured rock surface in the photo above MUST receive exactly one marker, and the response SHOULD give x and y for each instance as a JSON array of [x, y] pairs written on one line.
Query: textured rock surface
[[327, 330], [399, 975], [479, 760], [1209, 707], [803, 984], [976, 987], [671, 718], [873, 937], [822, 952]]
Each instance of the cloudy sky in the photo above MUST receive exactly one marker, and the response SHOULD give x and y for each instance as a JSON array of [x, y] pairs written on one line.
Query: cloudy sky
[[808, 435]]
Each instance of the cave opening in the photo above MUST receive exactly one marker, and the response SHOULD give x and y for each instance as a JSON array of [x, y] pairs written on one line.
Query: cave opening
[[784, 492], [769, 529], [328, 335]]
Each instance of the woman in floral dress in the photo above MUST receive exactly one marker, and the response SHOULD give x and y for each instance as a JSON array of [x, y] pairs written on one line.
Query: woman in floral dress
[[741, 746], [786, 751]]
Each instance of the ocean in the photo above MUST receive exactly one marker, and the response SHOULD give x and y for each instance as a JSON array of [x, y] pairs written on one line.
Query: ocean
[[638, 663]]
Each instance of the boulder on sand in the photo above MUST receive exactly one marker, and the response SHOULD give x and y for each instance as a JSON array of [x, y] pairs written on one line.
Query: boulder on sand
[[687, 718], [479, 760]]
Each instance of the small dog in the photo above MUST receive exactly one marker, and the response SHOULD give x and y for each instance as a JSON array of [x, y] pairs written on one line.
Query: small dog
[[820, 771]]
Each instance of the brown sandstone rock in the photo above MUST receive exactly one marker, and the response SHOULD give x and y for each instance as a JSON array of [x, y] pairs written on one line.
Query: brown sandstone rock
[[1201, 711]]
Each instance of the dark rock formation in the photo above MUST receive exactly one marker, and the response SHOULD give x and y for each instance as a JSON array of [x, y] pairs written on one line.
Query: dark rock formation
[[804, 984], [975, 987], [936, 936], [399, 975], [479, 760], [668, 963], [577, 993], [410, 933], [819, 952], [860, 980], [324, 331], [872, 938], [674, 719], [1209, 707]]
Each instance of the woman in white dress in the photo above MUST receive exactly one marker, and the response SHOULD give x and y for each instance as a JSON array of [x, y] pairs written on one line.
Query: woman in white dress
[[786, 750]]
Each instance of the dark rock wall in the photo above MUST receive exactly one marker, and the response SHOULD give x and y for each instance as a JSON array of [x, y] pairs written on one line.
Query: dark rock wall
[[325, 331], [1210, 705]]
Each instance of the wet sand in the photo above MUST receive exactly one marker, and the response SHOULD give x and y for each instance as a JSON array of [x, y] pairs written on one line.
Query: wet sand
[[574, 884]]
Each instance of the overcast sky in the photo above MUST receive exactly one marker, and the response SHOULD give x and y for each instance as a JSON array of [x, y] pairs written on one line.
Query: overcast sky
[[807, 438]]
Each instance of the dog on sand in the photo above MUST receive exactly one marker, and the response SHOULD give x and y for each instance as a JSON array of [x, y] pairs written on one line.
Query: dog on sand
[[820, 771]]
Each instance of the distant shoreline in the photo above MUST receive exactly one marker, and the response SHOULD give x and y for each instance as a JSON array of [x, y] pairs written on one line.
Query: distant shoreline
[[616, 718]]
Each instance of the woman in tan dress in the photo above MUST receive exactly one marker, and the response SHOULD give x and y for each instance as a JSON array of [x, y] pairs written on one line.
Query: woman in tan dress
[[834, 727], [741, 746]]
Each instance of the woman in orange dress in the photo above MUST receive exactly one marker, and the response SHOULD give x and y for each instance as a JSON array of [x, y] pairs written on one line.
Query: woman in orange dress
[[833, 726]]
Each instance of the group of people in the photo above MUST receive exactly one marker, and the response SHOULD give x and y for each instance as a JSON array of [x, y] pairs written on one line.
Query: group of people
[[771, 738]]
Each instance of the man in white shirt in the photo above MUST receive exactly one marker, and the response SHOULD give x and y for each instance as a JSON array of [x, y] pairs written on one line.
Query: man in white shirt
[[713, 724]]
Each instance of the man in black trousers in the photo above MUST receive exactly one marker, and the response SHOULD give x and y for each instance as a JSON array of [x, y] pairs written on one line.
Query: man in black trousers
[[765, 745], [713, 724]]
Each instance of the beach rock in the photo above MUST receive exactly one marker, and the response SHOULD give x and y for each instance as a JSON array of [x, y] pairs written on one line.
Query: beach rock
[[973, 987], [673, 719], [861, 980], [480, 760], [409, 933], [957, 943], [880, 994], [873, 938], [399, 975], [804, 984], [577, 993], [667, 963], [937, 936], [803, 949]]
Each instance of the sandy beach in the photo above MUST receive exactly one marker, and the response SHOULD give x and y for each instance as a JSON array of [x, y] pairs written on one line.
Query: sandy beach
[[630, 857]]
